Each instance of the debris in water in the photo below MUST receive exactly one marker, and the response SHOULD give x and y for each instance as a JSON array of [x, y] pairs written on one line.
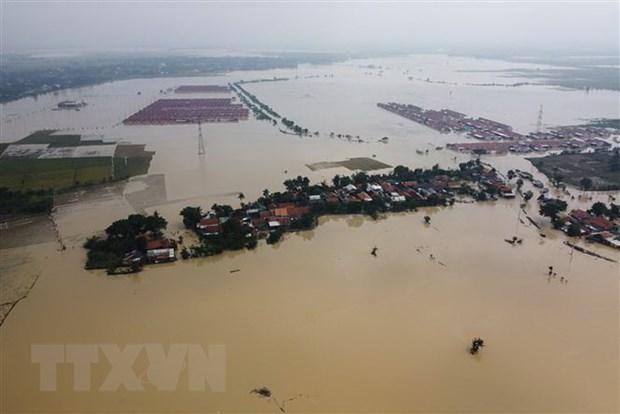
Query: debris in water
[[263, 392], [476, 344], [235, 270], [514, 240], [588, 252]]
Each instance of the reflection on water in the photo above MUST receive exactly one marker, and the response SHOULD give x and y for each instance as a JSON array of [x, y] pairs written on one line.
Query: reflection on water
[[316, 314]]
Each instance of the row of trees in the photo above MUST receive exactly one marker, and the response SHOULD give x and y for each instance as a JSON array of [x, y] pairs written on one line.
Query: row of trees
[[294, 127], [25, 202], [257, 101]]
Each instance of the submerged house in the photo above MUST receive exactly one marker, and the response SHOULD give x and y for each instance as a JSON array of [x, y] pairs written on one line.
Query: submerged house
[[160, 250], [209, 226], [606, 238], [598, 228]]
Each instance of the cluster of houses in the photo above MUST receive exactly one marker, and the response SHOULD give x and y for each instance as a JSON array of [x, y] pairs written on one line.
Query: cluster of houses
[[284, 211], [496, 137], [595, 228], [530, 145], [446, 120], [258, 217]]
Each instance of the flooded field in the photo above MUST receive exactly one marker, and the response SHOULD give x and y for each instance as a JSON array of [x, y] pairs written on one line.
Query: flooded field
[[316, 318]]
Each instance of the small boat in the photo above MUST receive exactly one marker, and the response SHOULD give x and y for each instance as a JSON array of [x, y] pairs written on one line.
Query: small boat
[[419, 152]]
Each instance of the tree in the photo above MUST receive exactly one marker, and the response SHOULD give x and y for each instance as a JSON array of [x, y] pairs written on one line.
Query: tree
[[599, 209], [427, 220], [401, 172], [298, 182], [274, 236], [191, 216], [574, 230], [360, 178], [155, 223], [552, 207], [586, 183], [241, 196], [336, 180]]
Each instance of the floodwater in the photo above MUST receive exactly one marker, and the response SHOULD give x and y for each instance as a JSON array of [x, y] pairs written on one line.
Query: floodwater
[[316, 318]]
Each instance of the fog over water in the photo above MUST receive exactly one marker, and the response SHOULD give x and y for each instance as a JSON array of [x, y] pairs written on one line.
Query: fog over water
[[36, 25]]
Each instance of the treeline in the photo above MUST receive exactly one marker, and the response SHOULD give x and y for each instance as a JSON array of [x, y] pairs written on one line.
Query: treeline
[[25, 76], [274, 79], [294, 127], [25, 202], [600, 209], [263, 111], [260, 110]]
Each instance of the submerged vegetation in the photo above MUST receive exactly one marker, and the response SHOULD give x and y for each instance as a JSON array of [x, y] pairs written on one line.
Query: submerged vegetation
[[25, 202], [260, 110], [594, 170], [125, 242], [476, 345], [263, 111]]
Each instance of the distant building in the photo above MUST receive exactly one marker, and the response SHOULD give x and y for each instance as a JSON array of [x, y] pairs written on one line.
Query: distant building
[[71, 104]]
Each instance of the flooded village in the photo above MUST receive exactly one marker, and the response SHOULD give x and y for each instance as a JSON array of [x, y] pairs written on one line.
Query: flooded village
[[419, 271], [496, 137]]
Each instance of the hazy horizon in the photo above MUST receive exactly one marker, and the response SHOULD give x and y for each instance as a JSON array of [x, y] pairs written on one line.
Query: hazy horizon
[[309, 26]]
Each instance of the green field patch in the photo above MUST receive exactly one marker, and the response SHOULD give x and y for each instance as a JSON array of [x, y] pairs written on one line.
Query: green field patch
[[602, 168]]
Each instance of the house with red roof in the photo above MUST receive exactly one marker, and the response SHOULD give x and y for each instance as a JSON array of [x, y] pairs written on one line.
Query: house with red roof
[[209, 226], [160, 250]]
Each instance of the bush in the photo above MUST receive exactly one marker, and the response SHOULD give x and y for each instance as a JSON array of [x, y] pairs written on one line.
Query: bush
[[97, 259], [274, 237]]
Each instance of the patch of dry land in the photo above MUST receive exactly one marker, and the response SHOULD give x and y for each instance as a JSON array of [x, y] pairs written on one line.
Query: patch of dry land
[[353, 164]]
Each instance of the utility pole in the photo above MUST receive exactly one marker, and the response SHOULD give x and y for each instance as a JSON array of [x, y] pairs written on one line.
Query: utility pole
[[201, 141], [539, 123]]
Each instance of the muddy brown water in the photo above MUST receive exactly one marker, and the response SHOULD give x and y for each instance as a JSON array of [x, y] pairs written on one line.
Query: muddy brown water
[[316, 316]]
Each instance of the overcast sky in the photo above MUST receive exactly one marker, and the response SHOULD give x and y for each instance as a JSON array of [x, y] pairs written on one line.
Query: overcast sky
[[327, 26]]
